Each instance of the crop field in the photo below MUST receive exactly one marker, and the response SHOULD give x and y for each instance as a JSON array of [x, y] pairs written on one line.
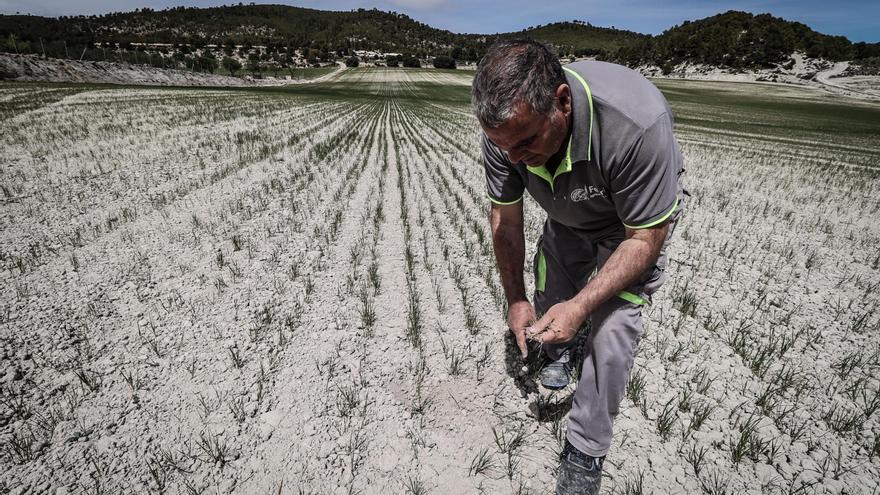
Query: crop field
[[310, 72], [293, 290]]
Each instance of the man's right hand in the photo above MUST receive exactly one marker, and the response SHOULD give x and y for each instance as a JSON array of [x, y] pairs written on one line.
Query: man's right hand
[[520, 315]]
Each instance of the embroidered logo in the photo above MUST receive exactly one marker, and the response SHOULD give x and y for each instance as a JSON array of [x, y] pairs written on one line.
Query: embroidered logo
[[588, 192]]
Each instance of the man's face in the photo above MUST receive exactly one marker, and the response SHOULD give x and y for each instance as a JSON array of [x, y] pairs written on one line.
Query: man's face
[[531, 137]]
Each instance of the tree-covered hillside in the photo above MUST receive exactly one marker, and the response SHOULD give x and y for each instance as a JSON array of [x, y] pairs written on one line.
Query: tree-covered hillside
[[740, 39], [266, 25], [733, 39], [277, 26], [581, 38]]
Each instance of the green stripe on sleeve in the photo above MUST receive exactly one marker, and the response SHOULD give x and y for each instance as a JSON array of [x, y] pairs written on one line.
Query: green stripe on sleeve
[[655, 222], [502, 203]]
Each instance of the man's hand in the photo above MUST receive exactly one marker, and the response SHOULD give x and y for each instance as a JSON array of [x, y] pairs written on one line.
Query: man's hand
[[560, 323], [520, 315]]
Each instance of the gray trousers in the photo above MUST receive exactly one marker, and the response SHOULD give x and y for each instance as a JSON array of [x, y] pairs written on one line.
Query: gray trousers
[[564, 263]]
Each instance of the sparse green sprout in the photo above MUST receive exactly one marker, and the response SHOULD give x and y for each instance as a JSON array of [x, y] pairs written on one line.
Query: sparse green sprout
[[696, 458], [666, 418], [214, 448], [89, 379], [635, 386], [236, 357], [456, 363], [414, 486], [481, 463]]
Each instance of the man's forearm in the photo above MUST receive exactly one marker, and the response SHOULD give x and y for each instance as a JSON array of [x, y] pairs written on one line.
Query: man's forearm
[[623, 268], [510, 252]]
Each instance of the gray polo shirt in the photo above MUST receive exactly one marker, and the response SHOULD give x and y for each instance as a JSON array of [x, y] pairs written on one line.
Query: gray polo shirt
[[622, 164]]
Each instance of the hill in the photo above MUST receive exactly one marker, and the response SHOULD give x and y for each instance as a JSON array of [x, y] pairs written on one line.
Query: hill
[[740, 40], [580, 38], [267, 25], [286, 36], [279, 27]]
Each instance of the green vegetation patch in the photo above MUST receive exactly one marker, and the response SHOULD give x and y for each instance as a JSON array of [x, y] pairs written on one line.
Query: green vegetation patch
[[769, 112], [18, 98]]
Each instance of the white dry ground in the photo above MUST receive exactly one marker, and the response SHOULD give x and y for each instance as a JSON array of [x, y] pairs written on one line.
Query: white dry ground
[[858, 86], [804, 72], [21, 68], [269, 292]]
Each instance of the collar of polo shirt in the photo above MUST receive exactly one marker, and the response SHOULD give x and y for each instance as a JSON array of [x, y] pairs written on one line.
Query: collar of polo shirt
[[581, 138]]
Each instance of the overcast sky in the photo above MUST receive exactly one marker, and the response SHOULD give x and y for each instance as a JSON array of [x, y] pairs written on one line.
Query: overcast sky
[[858, 20]]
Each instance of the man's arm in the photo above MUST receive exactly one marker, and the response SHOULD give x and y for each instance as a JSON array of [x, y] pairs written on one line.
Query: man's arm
[[508, 241], [633, 257]]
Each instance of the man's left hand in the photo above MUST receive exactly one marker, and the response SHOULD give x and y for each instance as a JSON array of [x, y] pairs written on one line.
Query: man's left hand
[[559, 324]]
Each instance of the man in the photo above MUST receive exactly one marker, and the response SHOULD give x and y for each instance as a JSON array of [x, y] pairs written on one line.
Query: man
[[593, 144]]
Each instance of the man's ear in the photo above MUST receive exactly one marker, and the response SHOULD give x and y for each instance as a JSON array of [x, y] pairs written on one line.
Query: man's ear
[[563, 96]]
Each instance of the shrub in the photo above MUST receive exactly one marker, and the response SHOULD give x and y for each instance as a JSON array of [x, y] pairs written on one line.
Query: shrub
[[444, 62], [411, 62], [231, 65]]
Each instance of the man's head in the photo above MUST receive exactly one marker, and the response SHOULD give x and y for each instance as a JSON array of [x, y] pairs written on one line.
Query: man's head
[[522, 100]]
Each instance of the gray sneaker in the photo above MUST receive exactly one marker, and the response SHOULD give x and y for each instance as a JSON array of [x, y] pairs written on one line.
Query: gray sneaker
[[579, 473], [556, 374]]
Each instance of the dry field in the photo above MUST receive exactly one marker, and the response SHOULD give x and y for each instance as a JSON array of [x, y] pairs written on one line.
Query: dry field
[[869, 85], [293, 291]]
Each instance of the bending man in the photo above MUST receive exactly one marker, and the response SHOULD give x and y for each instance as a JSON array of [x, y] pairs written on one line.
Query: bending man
[[592, 143]]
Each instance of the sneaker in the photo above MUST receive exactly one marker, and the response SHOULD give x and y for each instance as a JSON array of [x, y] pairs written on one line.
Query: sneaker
[[579, 473], [556, 374]]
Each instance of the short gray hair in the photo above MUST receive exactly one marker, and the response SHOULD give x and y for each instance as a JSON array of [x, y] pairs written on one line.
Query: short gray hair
[[514, 71]]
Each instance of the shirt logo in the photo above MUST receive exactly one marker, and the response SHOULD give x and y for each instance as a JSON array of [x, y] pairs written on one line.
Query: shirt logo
[[588, 192]]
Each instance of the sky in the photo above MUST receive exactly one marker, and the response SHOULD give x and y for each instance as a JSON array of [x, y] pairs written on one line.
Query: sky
[[858, 20]]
